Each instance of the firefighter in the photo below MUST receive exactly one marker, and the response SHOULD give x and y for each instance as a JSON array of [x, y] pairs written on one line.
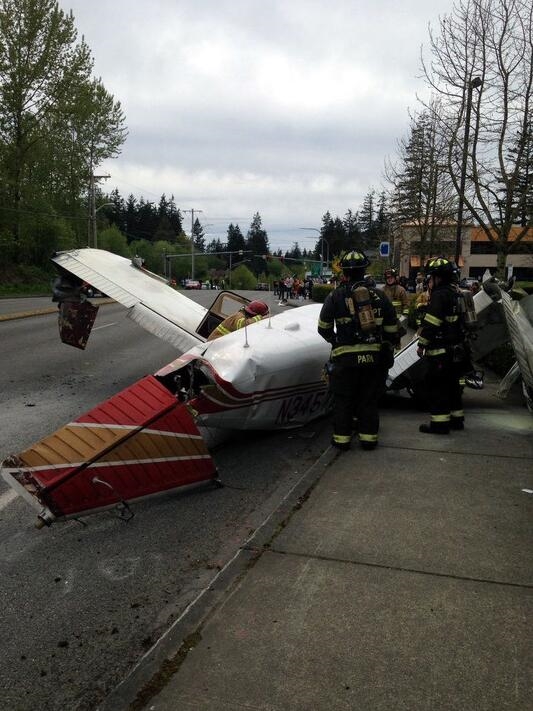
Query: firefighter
[[252, 312], [421, 304], [396, 293], [360, 323], [442, 342]]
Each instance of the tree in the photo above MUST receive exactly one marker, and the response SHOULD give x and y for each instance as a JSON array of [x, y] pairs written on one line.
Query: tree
[[235, 239], [522, 204], [422, 194], [215, 246], [114, 241], [56, 122], [351, 228], [368, 212], [257, 238], [198, 236], [242, 278], [257, 243], [482, 69]]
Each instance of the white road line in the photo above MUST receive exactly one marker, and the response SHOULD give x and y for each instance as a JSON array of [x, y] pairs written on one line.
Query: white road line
[[7, 498], [106, 325]]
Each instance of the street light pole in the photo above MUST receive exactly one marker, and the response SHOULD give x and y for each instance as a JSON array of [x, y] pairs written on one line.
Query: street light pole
[[324, 240], [472, 84], [91, 232], [94, 210], [192, 211]]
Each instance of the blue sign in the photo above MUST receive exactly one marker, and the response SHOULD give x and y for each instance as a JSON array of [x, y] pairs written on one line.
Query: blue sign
[[384, 249]]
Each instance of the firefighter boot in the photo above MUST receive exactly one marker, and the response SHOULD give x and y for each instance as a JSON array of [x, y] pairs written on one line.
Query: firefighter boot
[[434, 429], [341, 442]]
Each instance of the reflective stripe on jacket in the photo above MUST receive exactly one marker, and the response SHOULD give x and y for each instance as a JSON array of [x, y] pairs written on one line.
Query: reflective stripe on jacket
[[232, 323], [441, 325]]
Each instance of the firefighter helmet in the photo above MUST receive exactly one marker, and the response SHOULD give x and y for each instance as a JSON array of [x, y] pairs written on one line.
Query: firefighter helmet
[[390, 273], [256, 308], [354, 260], [441, 267]]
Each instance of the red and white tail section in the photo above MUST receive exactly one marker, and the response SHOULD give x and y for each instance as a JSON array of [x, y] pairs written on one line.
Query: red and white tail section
[[138, 443]]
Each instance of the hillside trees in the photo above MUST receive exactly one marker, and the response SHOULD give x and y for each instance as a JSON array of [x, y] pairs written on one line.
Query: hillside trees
[[57, 123], [481, 68]]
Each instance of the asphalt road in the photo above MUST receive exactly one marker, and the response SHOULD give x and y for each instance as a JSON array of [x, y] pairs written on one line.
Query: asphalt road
[[83, 600]]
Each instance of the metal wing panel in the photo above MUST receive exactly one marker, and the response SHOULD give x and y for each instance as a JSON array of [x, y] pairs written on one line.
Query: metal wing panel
[[521, 332], [155, 305]]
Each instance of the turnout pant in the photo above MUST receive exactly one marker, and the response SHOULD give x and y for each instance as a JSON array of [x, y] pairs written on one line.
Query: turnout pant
[[356, 390], [445, 392]]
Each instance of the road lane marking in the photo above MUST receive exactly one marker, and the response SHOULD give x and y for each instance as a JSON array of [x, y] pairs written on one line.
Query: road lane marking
[[106, 325], [7, 498]]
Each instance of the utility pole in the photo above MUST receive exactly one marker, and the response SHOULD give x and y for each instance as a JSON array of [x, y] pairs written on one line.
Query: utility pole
[[192, 211], [92, 236]]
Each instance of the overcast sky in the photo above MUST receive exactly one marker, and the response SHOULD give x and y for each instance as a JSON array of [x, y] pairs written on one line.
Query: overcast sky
[[283, 107]]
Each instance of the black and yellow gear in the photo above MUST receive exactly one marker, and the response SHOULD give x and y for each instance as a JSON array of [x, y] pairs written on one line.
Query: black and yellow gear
[[354, 260], [357, 357], [442, 339]]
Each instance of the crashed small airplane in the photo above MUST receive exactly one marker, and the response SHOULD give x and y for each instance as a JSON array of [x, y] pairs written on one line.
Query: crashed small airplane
[[156, 435]]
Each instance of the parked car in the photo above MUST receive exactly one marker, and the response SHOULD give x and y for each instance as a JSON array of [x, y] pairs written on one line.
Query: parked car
[[262, 287], [192, 284]]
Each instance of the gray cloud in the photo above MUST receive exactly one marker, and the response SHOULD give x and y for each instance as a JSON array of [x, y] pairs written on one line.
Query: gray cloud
[[238, 106]]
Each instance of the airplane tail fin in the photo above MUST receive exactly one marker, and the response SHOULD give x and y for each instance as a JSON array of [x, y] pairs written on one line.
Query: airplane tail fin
[[138, 443]]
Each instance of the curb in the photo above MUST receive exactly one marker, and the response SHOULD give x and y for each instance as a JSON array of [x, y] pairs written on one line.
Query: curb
[[43, 312], [153, 671], [28, 314]]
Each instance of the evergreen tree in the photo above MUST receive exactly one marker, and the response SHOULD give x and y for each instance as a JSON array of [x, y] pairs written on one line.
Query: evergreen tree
[[131, 219], [235, 239], [367, 214], [147, 219], [174, 216], [257, 238], [516, 201], [351, 229], [198, 236], [257, 244], [383, 217], [216, 246], [422, 195]]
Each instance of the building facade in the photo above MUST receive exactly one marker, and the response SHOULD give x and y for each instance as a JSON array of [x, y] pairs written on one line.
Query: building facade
[[478, 253]]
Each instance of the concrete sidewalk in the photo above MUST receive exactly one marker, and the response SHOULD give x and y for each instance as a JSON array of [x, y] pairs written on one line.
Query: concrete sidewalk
[[400, 579]]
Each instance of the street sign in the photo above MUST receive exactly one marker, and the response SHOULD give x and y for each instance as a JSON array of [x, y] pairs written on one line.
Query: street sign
[[384, 249]]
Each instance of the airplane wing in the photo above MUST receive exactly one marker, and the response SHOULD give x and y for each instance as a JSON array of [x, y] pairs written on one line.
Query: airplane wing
[[519, 318], [150, 301]]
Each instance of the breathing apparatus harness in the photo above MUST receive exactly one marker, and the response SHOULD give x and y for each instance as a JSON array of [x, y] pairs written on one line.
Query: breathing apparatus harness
[[358, 300]]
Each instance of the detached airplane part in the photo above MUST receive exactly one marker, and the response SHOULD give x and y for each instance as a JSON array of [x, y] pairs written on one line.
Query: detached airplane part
[[136, 444], [153, 304], [519, 319], [155, 436]]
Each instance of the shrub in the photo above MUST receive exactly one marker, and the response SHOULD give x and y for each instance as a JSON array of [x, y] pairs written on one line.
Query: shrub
[[320, 291]]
